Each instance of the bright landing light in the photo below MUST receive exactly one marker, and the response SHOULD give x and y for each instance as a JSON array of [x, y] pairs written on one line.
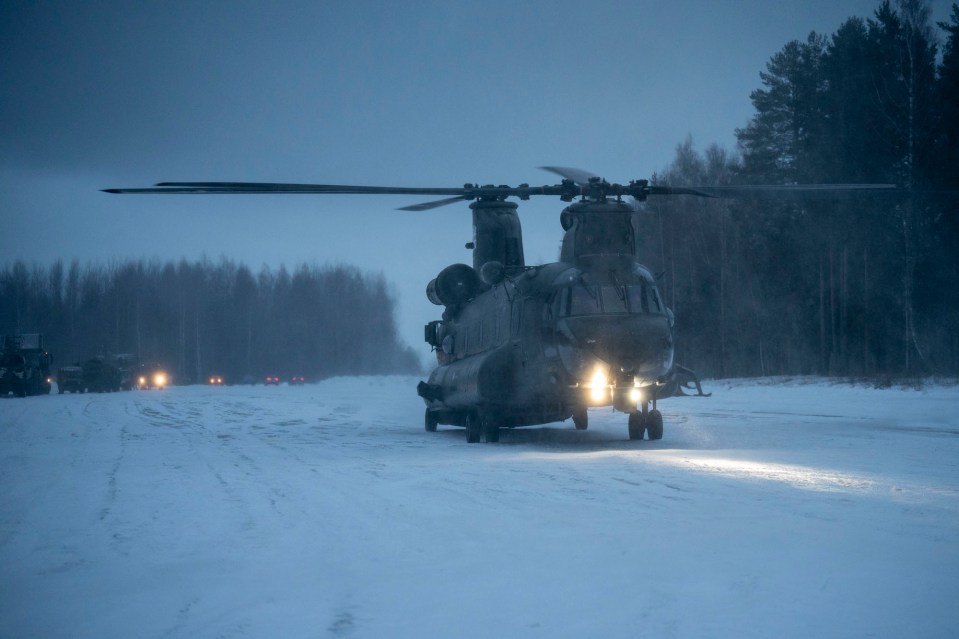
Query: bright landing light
[[599, 385]]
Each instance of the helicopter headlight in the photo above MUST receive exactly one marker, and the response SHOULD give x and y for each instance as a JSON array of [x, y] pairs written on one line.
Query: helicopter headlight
[[599, 385]]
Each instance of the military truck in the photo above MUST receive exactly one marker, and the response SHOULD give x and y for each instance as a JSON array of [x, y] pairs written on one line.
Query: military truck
[[127, 369], [100, 375], [70, 378], [24, 366], [153, 376]]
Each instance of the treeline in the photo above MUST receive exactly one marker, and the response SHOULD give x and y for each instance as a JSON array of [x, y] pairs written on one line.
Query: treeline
[[201, 318], [855, 285]]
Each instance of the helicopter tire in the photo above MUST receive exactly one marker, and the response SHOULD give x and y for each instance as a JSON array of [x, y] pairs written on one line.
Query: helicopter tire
[[654, 424], [580, 419], [474, 428], [430, 421], [637, 425], [490, 429]]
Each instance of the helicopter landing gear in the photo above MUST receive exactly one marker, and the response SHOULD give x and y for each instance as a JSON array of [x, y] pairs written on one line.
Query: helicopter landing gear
[[430, 421], [481, 426], [580, 419], [654, 424], [490, 429], [637, 425], [473, 428], [650, 421]]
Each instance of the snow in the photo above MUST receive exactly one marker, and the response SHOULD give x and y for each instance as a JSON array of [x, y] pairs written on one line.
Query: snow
[[794, 509]]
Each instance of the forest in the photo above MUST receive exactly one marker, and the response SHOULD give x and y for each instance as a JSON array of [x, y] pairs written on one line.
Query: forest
[[198, 319], [862, 286], [858, 286]]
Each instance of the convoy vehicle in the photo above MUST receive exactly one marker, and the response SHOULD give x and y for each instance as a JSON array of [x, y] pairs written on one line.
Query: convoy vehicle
[[24, 366], [70, 379], [154, 376], [126, 365], [100, 376]]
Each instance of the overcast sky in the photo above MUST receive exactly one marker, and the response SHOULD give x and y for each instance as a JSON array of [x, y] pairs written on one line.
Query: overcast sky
[[125, 94]]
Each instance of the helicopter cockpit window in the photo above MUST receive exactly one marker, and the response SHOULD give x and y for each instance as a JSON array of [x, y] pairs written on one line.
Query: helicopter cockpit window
[[614, 299], [655, 305], [634, 294], [592, 300], [584, 300]]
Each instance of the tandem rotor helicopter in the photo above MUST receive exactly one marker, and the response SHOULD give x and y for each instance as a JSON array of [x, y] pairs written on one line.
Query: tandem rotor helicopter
[[521, 345]]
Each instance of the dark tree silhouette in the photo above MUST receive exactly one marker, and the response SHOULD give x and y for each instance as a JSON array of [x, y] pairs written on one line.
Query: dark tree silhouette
[[200, 318]]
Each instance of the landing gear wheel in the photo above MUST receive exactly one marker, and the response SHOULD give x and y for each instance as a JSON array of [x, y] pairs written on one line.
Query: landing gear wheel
[[637, 425], [580, 419], [473, 428], [430, 421], [490, 429], [654, 424]]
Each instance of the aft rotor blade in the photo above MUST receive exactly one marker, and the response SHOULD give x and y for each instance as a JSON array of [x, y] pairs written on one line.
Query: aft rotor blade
[[680, 190], [803, 190], [425, 206], [578, 176]]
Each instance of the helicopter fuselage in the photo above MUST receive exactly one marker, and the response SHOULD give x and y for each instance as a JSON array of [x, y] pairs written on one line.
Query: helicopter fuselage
[[552, 340], [544, 342]]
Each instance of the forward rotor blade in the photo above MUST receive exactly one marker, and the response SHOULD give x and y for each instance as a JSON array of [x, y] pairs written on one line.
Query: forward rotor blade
[[467, 192], [275, 187]]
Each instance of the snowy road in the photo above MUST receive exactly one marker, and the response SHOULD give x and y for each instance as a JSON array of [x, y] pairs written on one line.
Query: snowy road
[[784, 510]]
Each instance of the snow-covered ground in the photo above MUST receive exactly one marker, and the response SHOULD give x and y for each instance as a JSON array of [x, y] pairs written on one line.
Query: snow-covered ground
[[794, 509]]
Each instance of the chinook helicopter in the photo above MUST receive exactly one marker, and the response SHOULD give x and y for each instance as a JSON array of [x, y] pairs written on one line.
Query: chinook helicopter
[[521, 345]]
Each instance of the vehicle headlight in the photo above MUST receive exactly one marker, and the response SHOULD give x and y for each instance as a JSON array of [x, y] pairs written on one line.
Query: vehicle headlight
[[159, 379]]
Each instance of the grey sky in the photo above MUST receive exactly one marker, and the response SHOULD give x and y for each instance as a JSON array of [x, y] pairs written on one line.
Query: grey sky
[[107, 94]]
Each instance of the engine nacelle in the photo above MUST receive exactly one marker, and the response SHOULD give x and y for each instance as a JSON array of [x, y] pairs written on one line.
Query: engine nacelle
[[456, 284]]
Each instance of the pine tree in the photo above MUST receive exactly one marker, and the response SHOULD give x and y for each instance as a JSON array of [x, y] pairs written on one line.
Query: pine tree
[[785, 134]]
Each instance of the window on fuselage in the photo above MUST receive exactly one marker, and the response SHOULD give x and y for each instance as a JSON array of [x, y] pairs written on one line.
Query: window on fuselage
[[655, 305], [614, 299], [593, 300], [584, 300], [636, 298]]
